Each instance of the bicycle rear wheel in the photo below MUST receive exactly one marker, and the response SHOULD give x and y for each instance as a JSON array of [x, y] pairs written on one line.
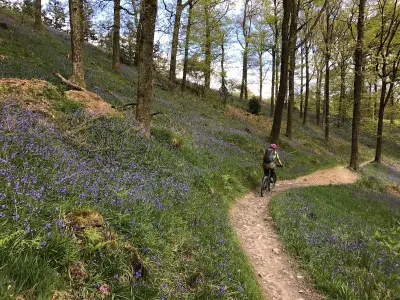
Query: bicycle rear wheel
[[264, 186]]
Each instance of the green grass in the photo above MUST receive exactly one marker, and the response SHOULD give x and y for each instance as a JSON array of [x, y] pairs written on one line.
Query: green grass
[[347, 238]]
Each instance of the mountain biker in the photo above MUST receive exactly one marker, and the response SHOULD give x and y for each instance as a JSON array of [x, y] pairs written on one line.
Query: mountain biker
[[270, 158]]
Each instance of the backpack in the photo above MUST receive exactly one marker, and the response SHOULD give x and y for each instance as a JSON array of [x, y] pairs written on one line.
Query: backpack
[[269, 156]]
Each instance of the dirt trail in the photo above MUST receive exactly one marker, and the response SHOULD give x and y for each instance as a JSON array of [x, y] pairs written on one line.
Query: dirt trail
[[277, 272]]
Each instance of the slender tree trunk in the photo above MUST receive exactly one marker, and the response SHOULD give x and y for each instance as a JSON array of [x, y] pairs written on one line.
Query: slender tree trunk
[[375, 100], [207, 52], [139, 35], [145, 89], [276, 125], [327, 76], [76, 22], [318, 96], [292, 67], [342, 90], [38, 15], [260, 58], [358, 86], [273, 80], [175, 40], [275, 61], [301, 82], [243, 88], [307, 84], [187, 41], [370, 103], [223, 75], [278, 58], [379, 134], [116, 36], [392, 110]]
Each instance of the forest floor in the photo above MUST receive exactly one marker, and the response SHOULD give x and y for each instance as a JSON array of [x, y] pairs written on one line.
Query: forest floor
[[277, 272]]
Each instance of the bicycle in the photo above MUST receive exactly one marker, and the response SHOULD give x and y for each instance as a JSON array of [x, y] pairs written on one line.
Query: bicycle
[[268, 182]]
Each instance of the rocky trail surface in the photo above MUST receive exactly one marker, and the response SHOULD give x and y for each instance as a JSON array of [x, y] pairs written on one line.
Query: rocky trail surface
[[277, 272]]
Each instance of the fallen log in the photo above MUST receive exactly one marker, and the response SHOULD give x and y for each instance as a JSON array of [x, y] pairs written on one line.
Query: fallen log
[[69, 83]]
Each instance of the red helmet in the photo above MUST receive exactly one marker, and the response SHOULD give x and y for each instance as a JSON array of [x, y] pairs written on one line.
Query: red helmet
[[273, 146]]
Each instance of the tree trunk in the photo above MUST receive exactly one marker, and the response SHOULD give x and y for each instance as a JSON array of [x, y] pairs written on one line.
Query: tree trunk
[[318, 97], [186, 58], [307, 84], [273, 81], [292, 67], [207, 52], [301, 82], [327, 76], [342, 90], [370, 104], [275, 61], [175, 40], [223, 75], [76, 22], [379, 134], [139, 34], [392, 110], [38, 15], [145, 89], [116, 36], [375, 100], [276, 79], [276, 125], [243, 88], [358, 86], [260, 58]]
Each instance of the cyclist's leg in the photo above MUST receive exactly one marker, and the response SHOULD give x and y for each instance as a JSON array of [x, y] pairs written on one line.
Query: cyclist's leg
[[273, 174]]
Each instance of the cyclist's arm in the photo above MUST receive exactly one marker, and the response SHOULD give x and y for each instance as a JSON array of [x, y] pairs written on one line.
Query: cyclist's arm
[[278, 159]]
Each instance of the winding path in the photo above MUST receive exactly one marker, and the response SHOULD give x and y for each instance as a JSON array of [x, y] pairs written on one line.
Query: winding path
[[277, 272]]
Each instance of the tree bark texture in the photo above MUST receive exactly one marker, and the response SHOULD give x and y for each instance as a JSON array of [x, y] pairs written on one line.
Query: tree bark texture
[[273, 81], [207, 51], [187, 41], [292, 67], [116, 36], [318, 96], [223, 75], [306, 48], [260, 58], [302, 82], [139, 34], [276, 125], [38, 15], [358, 86], [342, 90], [76, 22], [175, 40], [145, 88], [327, 75]]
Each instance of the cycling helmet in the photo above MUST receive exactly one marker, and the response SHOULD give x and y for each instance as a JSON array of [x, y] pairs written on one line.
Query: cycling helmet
[[273, 146]]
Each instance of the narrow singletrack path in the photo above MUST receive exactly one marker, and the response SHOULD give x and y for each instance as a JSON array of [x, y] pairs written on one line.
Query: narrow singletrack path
[[277, 272]]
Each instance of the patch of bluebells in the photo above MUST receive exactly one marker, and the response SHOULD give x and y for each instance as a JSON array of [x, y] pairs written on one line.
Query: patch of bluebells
[[340, 245], [43, 171]]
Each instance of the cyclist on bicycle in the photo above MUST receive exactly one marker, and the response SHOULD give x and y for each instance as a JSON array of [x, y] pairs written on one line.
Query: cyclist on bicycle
[[270, 158]]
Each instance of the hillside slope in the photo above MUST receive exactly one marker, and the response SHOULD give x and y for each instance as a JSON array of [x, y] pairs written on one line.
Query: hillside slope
[[91, 207]]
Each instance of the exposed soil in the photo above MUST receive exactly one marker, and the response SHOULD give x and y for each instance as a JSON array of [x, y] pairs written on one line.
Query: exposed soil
[[91, 102], [31, 95], [277, 272]]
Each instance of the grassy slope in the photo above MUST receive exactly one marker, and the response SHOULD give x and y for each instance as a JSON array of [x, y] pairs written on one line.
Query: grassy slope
[[170, 203], [347, 238]]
